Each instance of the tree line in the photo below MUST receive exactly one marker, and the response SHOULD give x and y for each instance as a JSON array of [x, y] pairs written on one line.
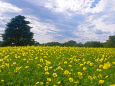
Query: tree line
[[18, 33], [109, 43]]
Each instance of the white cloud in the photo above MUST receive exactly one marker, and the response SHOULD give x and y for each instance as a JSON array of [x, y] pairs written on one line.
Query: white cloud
[[110, 5], [43, 32], [7, 7], [95, 28], [5, 10], [100, 23], [72, 6]]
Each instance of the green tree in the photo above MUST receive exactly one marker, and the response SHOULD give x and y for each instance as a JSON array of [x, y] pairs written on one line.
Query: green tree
[[93, 44], [0, 43], [70, 43], [17, 32], [111, 42], [53, 44]]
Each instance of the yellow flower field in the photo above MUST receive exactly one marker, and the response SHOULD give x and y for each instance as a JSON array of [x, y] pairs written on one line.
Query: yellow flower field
[[57, 66]]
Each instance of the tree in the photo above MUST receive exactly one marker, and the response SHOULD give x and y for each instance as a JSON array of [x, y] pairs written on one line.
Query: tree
[[53, 44], [0, 43], [93, 44], [70, 43], [17, 32], [111, 42], [79, 45], [36, 43]]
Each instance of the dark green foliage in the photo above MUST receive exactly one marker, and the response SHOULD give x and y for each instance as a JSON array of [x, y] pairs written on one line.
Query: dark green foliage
[[79, 45], [17, 32], [111, 42], [53, 44], [0, 43], [70, 43], [93, 44], [36, 43]]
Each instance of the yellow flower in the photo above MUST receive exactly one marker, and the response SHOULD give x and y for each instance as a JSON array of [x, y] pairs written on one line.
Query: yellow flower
[[100, 66], [81, 65], [47, 62], [37, 83], [41, 83], [36, 58], [1, 60], [99, 76], [101, 81], [50, 67], [106, 76], [46, 68], [54, 85], [84, 68], [14, 63], [94, 77], [70, 65], [59, 82], [101, 60], [49, 79], [113, 62], [47, 73], [59, 68], [76, 82], [47, 82], [90, 77], [26, 67], [112, 85], [71, 70], [66, 72], [98, 70], [41, 60], [71, 79], [2, 80], [91, 64], [88, 62], [106, 65], [65, 62], [80, 75], [24, 59], [17, 69], [39, 65], [54, 75]]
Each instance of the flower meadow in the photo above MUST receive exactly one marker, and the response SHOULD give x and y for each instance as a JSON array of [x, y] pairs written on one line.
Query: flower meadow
[[57, 66]]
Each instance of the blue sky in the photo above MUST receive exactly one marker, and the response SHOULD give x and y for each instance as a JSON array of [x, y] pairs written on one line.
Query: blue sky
[[63, 20]]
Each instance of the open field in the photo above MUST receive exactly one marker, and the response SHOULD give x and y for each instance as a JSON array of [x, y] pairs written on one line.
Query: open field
[[57, 66]]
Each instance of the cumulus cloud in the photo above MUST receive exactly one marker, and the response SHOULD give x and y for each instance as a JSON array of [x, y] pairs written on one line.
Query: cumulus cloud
[[95, 28], [43, 32], [77, 6], [72, 6], [5, 10], [7, 7]]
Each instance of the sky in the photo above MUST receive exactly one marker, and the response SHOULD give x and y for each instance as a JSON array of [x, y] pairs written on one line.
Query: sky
[[63, 20]]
